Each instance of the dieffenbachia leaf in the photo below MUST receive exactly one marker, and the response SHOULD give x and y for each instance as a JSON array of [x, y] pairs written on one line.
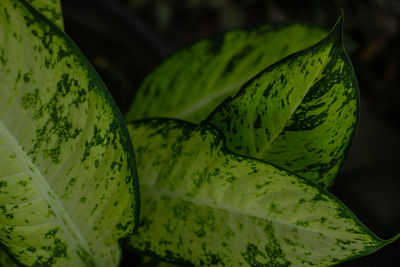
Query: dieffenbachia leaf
[[194, 81], [204, 205], [51, 9], [68, 185], [299, 114]]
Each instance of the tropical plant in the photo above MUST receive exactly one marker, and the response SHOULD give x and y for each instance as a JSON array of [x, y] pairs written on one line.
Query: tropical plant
[[237, 140], [68, 177]]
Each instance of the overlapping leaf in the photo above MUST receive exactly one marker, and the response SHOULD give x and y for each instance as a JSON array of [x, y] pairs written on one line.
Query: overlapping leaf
[[299, 114], [207, 206], [194, 81], [67, 179]]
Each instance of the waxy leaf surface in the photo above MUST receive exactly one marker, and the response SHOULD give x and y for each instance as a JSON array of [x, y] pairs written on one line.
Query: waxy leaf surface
[[204, 205], [299, 114], [68, 185], [195, 80]]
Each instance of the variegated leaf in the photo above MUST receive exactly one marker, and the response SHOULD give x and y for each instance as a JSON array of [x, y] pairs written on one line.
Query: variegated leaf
[[194, 81], [68, 185], [299, 114], [51, 9], [204, 205]]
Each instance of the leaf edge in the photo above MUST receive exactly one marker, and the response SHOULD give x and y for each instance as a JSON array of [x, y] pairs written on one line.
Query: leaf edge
[[221, 138]]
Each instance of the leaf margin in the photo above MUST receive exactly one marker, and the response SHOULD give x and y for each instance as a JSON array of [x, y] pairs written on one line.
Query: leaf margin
[[102, 90], [335, 33], [217, 38], [221, 138]]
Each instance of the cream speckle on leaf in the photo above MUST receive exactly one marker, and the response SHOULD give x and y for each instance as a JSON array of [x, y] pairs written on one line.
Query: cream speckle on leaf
[[307, 104], [264, 217], [58, 156]]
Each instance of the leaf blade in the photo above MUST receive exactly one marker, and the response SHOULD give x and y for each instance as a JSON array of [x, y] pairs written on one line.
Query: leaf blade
[[194, 81], [65, 149], [300, 113], [51, 9], [223, 209]]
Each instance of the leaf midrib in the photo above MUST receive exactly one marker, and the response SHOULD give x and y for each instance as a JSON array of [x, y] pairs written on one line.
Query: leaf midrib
[[276, 135], [43, 187], [217, 205]]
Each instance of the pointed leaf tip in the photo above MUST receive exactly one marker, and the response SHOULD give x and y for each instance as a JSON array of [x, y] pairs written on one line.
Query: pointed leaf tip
[[234, 210], [337, 31], [393, 239]]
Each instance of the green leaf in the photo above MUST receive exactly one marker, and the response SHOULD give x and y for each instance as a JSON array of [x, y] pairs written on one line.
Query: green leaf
[[6, 260], [205, 205], [50, 9], [299, 114], [68, 185], [194, 81]]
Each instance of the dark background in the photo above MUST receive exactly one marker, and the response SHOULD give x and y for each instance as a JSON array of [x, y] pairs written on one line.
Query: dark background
[[126, 39]]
